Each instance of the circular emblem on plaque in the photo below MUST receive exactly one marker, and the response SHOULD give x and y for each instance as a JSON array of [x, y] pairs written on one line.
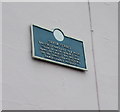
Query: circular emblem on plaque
[[58, 34]]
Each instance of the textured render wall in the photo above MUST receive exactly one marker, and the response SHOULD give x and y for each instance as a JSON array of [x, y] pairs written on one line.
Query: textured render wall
[[33, 84]]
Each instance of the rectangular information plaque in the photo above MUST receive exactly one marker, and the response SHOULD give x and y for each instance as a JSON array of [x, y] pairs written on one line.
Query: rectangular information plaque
[[54, 46]]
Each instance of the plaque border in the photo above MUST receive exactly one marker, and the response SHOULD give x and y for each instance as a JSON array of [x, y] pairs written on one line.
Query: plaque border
[[41, 58]]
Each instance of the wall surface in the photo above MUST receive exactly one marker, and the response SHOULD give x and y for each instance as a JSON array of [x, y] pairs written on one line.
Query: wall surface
[[0, 56], [105, 24], [34, 84]]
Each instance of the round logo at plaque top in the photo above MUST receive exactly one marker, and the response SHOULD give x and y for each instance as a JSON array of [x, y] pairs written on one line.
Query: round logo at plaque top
[[58, 34]]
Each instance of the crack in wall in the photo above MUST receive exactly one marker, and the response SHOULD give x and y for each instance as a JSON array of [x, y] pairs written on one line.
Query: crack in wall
[[94, 62]]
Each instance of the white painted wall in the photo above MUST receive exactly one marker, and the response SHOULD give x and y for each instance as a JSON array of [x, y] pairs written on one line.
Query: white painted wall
[[0, 56], [105, 25], [33, 84]]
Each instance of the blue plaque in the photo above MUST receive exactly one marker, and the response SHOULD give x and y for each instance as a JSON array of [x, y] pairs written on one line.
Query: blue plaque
[[54, 46]]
